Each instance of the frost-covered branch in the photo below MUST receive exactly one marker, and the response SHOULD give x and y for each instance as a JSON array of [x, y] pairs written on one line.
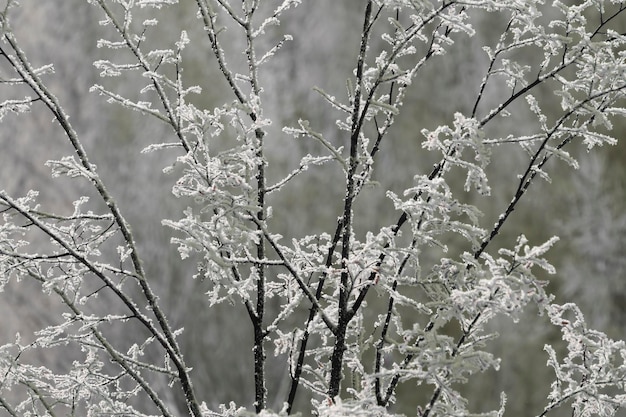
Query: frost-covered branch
[[398, 283]]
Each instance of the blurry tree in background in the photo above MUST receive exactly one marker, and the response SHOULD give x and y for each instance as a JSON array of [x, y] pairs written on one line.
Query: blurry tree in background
[[331, 208]]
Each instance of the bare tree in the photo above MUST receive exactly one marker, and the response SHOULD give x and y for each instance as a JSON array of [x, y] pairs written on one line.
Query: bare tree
[[353, 314]]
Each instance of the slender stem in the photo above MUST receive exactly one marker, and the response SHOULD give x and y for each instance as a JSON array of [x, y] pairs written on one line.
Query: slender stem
[[116, 356], [295, 378], [162, 339], [294, 273], [437, 170], [536, 163], [343, 311], [172, 115], [260, 390], [457, 348], [208, 16], [167, 340]]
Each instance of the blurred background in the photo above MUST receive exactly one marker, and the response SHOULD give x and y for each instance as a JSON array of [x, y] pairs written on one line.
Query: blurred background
[[585, 207]]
